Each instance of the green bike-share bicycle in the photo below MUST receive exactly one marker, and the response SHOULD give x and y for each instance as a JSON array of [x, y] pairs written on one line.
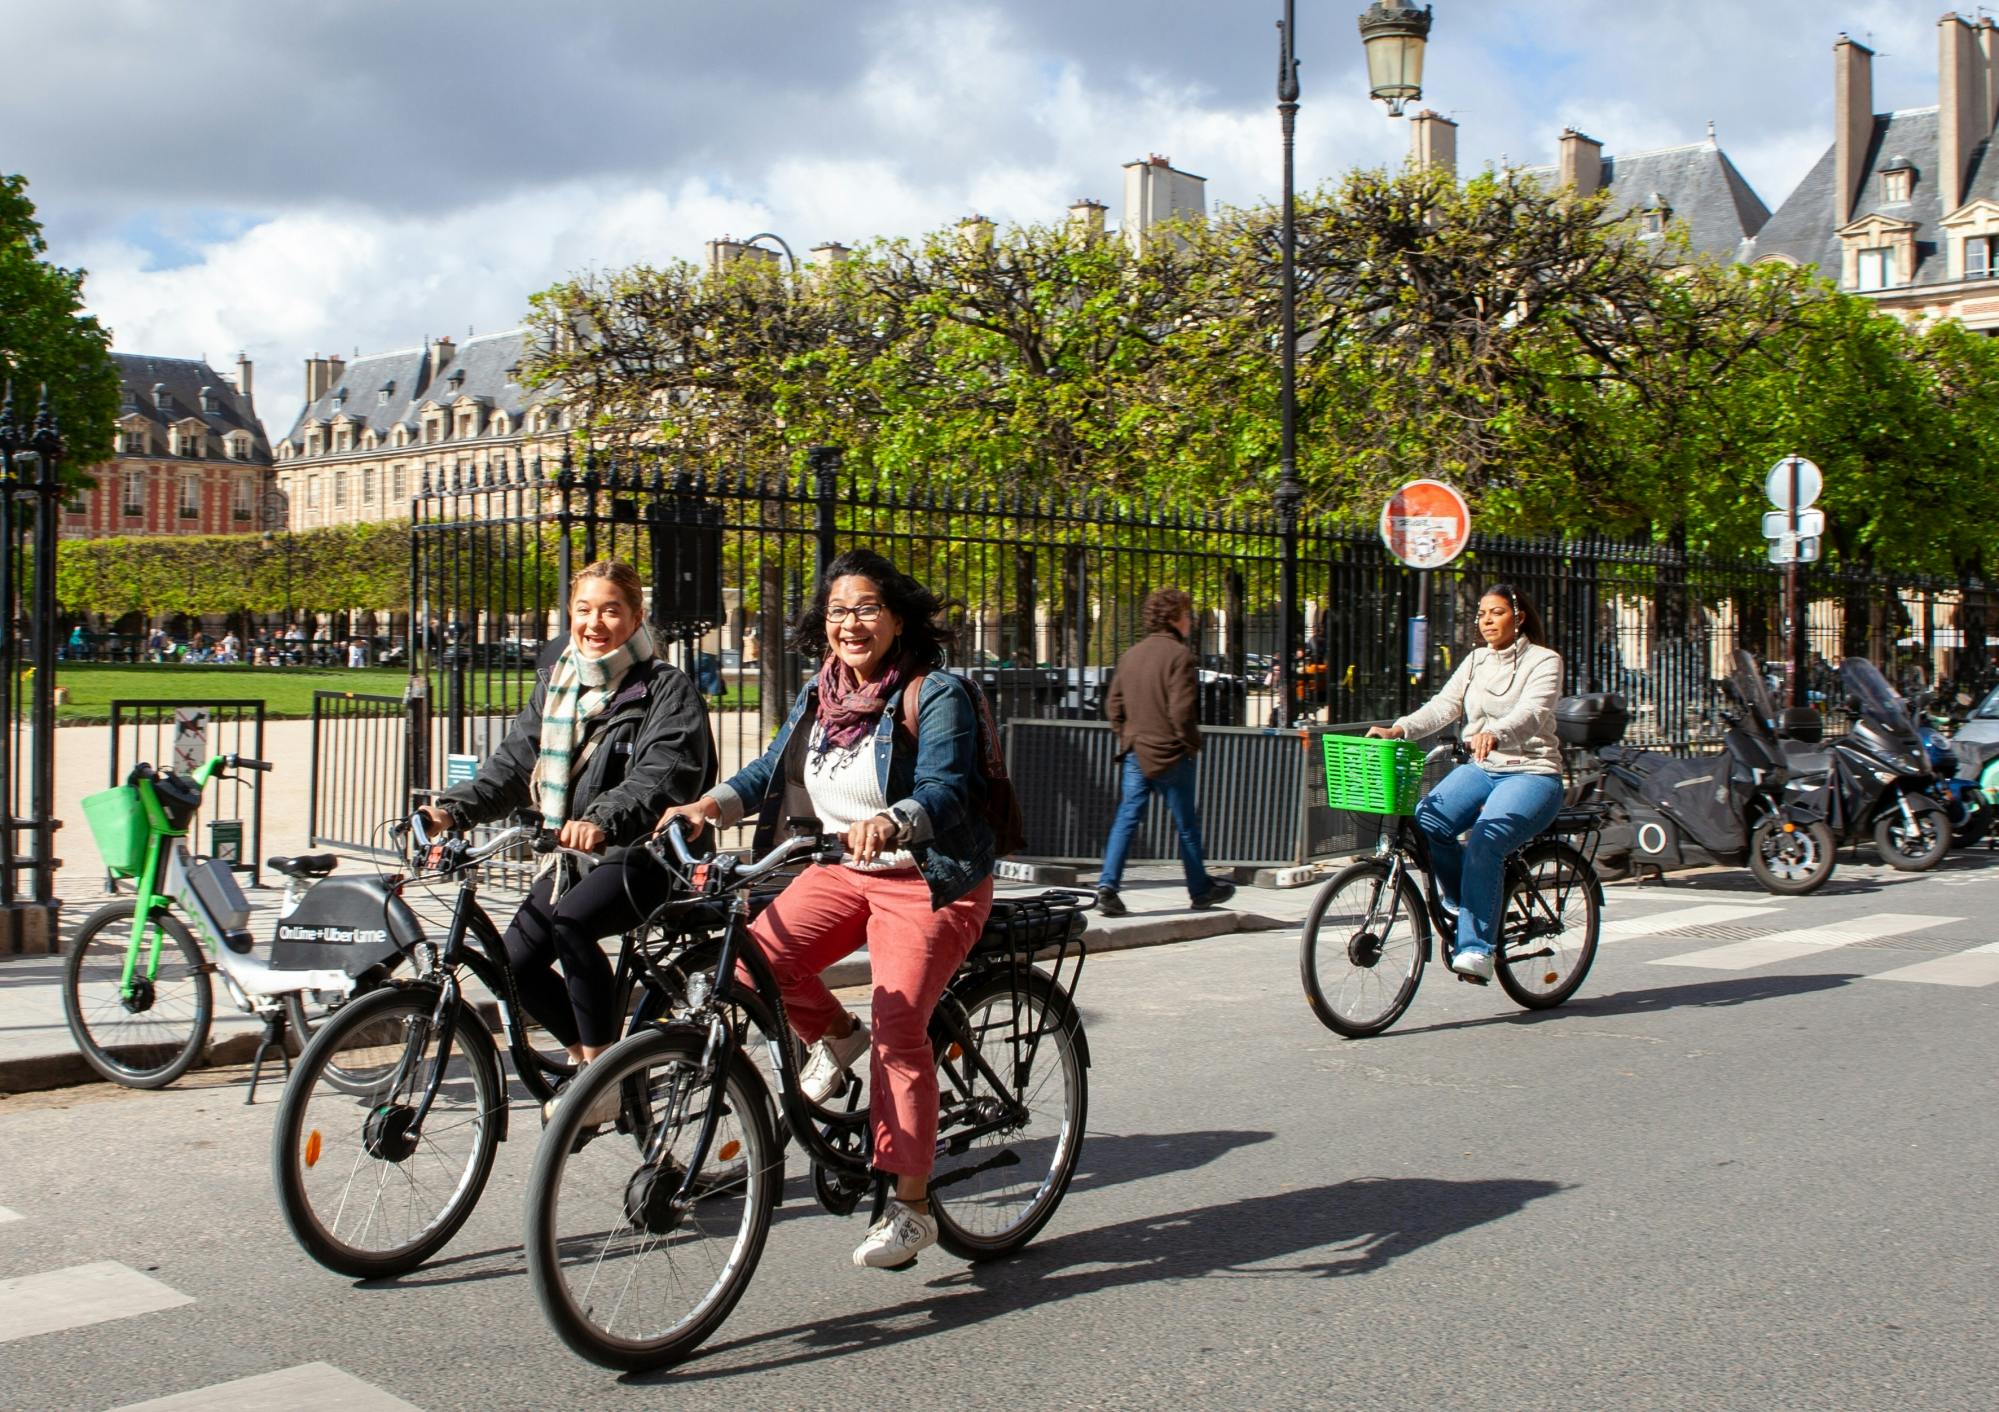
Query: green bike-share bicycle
[[136, 988]]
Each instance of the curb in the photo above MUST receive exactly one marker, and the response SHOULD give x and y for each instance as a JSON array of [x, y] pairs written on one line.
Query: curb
[[38, 1073]]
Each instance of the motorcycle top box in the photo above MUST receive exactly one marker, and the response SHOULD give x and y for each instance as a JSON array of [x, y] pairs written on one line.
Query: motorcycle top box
[[1591, 721], [345, 924]]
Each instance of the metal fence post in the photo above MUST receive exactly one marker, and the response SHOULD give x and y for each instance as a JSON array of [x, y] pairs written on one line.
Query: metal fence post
[[47, 445], [825, 464]]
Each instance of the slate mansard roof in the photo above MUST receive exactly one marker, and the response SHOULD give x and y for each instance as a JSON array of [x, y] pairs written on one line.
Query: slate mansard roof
[[142, 378], [1697, 183], [1806, 227], [484, 368]]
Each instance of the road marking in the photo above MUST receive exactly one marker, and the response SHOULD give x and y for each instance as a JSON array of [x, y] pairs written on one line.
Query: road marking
[[80, 1295], [6, 1215], [1804, 941], [320, 1386], [1625, 928], [1976, 967]]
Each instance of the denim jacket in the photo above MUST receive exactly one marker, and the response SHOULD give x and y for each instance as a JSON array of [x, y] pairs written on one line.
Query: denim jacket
[[933, 789]]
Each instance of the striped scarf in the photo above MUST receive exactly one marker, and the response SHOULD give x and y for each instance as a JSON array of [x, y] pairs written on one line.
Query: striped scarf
[[579, 688]]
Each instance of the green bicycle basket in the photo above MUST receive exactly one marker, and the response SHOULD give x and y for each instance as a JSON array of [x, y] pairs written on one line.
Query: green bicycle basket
[[117, 820], [1373, 776]]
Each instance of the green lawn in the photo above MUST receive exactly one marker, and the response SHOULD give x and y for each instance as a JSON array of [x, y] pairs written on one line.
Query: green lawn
[[285, 691]]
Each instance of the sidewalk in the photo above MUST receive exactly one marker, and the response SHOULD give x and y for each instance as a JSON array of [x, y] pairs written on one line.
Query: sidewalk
[[36, 1051]]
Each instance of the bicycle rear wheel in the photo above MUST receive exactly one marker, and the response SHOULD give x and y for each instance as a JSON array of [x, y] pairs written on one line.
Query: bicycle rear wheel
[[1359, 965], [628, 1277], [1548, 931], [366, 1189], [149, 1037], [1004, 1158]]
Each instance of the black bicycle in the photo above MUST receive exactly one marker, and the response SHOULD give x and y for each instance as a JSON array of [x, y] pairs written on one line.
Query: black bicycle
[[1368, 933], [642, 1236]]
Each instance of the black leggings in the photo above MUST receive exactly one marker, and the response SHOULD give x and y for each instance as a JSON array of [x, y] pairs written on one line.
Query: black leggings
[[579, 1006]]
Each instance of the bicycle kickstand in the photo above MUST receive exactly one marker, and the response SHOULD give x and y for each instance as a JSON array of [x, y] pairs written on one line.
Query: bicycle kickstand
[[272, 1038]]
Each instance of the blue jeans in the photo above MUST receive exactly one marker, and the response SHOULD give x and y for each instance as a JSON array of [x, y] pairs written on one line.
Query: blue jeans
[[1177, 787], [1496, 813]]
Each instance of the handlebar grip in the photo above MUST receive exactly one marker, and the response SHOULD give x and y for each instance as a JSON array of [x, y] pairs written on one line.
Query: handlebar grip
[[675, 834], [244, 762]]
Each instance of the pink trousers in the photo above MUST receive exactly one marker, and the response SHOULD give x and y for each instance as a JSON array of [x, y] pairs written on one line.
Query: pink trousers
[[829, 912]]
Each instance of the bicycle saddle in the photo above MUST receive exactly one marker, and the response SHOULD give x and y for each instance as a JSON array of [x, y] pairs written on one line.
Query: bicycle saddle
[[304, 865]]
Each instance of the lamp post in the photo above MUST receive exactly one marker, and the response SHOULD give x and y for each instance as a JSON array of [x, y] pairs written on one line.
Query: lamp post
[[782, 244], [277, 523], [1394, 35]]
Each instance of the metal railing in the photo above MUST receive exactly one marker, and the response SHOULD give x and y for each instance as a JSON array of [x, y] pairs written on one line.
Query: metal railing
[[361, 763], [179, 734], [31, 495]]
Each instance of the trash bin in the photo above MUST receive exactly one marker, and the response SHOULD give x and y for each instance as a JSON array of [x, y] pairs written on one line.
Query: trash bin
[[1224, 700]]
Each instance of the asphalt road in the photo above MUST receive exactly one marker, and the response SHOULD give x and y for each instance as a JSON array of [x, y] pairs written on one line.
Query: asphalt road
[[1741, 1170]]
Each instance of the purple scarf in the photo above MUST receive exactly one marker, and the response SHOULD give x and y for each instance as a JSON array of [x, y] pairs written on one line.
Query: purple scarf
[[848, 707]]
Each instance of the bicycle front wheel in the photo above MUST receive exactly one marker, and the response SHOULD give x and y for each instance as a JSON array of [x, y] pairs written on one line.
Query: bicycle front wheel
[[1549, 930], [367, 1188], [148, 1036], [1362, 951], [1005, 1153], [628, 1273]]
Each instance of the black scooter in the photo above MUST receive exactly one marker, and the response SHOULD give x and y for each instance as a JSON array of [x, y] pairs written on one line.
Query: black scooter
[[1876, 779], [1674, 811]]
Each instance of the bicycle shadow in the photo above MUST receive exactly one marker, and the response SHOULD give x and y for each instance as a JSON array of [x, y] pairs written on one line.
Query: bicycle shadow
[[1107, 1160], [1354, 1227], [1736, 990]]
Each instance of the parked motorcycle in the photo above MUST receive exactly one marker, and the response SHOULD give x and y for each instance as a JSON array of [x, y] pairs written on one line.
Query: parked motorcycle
[[1673, 811], [1970, 811], [1875, 780]]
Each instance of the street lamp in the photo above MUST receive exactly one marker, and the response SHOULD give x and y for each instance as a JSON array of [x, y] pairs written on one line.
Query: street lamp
[[781, 243], [277, 521], [1394, 36]]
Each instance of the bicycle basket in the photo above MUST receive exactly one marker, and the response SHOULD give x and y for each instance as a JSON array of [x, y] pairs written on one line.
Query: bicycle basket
[[1373, 776], [117, 819]]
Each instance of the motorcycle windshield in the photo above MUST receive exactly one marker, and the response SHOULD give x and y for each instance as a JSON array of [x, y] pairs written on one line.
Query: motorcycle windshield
[[1865, 684], [1754, 693]]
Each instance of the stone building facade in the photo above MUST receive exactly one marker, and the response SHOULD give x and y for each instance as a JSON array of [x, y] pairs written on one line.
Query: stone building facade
[[192, 457], [371, 428]]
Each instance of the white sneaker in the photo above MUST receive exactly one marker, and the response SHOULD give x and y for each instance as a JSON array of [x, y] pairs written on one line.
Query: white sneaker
[[896, 1238], [1473, 963], [831, 1062]]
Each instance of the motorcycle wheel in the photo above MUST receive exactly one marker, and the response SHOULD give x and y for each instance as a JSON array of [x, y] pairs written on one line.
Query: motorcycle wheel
[[1790, 859], [1917, 848]]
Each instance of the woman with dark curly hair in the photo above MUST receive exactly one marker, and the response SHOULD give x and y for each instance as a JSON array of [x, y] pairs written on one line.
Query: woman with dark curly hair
[[899, 779]]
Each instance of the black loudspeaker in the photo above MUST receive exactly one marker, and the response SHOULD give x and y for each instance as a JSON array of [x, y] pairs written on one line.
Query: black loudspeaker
[[686, 565]]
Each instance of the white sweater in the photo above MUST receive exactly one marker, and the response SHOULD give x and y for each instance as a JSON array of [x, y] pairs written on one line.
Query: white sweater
[[845, 789], [1510, 694]]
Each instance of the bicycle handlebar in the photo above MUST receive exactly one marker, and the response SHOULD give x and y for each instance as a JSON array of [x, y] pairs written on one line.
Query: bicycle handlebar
[[823, 849], [244, 762]]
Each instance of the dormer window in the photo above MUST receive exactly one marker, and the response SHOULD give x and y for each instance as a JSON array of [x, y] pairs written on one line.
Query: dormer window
[[1981, 257], [208, 399], [384, 393], [457, 379], [1872, 267], [340, 399], [1653, 215], [1898, 180]]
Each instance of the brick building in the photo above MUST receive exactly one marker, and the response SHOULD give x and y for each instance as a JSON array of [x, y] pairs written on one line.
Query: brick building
[[192, 457]]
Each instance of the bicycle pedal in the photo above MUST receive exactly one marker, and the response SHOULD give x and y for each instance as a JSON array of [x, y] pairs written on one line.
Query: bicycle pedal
[[1471, 980]]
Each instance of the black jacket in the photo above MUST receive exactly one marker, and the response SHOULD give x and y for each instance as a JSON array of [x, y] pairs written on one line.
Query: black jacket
[[652, 748]]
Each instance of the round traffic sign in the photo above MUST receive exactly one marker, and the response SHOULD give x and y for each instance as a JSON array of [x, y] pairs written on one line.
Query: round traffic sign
[[1778, 484], [1426, 524]]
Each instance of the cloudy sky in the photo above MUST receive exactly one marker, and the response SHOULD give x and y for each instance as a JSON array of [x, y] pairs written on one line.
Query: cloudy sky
[[291, 178]]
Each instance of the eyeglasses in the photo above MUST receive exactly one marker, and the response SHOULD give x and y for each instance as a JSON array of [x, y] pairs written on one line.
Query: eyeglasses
[[860, 613]]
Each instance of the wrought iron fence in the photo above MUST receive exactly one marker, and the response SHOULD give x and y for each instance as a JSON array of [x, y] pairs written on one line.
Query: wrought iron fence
[[30, 500], [179, 734], [1046, 593]]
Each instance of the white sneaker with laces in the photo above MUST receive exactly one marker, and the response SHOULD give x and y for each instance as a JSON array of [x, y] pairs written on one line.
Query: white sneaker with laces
[[831, 1061], [1473, 963], [896, 1238]]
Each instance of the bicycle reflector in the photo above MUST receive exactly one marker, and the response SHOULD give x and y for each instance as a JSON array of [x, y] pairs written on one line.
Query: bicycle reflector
[[312, 1148]]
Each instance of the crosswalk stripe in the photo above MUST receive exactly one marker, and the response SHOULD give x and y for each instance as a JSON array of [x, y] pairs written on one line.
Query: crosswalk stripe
[[320, 1386], [1804, 941], [83, 1294], [6, 1215], [1658, 922], [1976, 967]]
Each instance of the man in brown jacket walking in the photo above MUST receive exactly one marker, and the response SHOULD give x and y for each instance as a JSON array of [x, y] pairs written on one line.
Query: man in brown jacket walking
[[1154, 707]]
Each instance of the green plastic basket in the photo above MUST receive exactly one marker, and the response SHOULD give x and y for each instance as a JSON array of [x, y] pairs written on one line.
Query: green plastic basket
[[1373, 776], [117, 820]]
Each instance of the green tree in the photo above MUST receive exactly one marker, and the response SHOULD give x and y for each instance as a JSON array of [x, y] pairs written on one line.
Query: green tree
[[46, 340]]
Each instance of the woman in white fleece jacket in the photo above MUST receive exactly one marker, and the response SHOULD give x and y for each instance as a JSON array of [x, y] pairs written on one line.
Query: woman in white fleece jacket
[[1504, 692]]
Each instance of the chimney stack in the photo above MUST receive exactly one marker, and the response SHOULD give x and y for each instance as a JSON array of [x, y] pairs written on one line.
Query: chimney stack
[[830, 252], [1433, 142], [1988, 56], [440, 354], [1156, 193], [243, 383], [1579, 163], [975, 232], [317, 385], [1853, 123], [336, 368], [1086, 218], [1964, 114]]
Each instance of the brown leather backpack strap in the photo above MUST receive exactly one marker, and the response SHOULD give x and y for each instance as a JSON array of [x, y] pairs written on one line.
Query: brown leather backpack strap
[[906, 717]]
